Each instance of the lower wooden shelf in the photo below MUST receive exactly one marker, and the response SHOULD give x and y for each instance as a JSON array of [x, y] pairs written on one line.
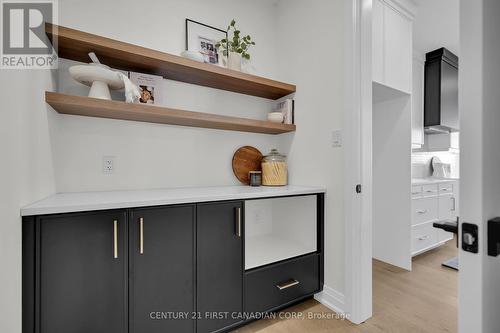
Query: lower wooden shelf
[[93, 107]]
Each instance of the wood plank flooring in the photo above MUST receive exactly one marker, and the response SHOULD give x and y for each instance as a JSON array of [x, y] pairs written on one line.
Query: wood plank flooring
[[421, 301]]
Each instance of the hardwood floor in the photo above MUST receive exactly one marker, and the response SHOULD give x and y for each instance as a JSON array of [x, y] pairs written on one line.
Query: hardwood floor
[[424, 300]]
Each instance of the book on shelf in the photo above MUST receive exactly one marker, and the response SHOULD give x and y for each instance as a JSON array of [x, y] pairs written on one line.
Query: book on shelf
[[287, 108]]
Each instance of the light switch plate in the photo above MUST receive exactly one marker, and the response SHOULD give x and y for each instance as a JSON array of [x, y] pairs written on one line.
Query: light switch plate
[[337, 138]]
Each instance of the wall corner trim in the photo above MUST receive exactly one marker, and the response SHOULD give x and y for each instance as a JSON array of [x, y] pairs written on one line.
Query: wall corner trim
[[332, 299]]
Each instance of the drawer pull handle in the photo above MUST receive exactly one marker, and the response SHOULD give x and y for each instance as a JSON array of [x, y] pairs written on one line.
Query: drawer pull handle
[[429, 191], [287, 284], [414, 193], [444, 189], [141, 235], [454, 203], [115, 239], [423, 238], [238, 222], [422, 211]]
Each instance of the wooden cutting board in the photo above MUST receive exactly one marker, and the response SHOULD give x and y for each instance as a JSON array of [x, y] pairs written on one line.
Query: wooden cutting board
[[246, 159]]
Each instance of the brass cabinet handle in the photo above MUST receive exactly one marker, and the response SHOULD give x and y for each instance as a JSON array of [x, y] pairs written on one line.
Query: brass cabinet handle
[[141, 236], [422, 211], [287, 284], [238, 222], [115, 239]]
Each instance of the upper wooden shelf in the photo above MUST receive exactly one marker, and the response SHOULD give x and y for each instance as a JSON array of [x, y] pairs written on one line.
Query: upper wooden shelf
[[75, 45], [93, 107]]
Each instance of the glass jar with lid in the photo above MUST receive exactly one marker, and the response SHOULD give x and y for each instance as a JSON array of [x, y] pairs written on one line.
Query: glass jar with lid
[[274, 169]]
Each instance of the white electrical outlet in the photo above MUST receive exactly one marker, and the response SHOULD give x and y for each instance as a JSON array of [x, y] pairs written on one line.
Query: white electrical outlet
[[337, 138], [108, 164]]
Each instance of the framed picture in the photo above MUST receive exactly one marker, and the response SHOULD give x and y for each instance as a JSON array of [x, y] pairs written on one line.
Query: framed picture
[[202, 38]]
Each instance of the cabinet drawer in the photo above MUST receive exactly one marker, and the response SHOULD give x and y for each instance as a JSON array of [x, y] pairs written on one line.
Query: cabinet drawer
[[445, 188], [424, 210], [422, 237], [416, 191], [429, 190], [275, 285]]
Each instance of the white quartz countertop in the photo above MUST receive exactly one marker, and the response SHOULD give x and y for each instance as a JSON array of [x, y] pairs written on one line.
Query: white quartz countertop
[[427, 181], [88, 201]]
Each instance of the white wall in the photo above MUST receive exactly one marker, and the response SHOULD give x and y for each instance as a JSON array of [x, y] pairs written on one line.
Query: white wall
[[436, 25], [26, 174], [310, 43], [421, 166], [152, 155], [46, 152]]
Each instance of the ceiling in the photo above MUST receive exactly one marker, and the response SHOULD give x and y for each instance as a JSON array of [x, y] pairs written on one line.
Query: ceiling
[[436, 25]]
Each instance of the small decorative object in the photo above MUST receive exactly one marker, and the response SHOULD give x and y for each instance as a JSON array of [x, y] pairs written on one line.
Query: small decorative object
[[149, 87], [193, 55], [275, 117], [274, 169], [202, 38], [287, 108], [255, 178], [235, 47], [132, 92], [99, 77]]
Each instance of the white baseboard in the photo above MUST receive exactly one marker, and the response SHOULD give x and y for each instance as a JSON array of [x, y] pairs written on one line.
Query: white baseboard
[[332, 299]]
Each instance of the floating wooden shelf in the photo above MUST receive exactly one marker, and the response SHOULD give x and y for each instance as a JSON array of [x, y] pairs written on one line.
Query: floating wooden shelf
[[75, 45], [93, 107]]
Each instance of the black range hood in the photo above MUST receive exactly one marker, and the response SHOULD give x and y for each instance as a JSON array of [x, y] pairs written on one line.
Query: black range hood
[[441, 92]]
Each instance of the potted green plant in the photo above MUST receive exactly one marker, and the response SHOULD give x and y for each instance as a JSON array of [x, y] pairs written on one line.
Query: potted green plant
[[235, 46]]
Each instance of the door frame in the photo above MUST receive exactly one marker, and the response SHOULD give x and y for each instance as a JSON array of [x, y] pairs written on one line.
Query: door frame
[[357, 122]]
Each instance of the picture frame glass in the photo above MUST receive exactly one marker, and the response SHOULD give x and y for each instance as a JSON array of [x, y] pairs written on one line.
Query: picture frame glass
[[202, 38]]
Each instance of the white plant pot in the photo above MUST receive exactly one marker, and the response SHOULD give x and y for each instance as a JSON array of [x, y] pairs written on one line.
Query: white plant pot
[[234, 61]]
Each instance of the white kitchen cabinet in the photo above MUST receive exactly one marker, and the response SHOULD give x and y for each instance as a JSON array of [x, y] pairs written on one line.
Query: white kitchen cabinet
[[432, 202], [417, 103], [391, 46]]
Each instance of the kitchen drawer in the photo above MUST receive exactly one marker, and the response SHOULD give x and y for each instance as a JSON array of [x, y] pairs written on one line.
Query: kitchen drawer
[[274, 285], [423, 237], [445, 188], [416, 191], [429, 190], [424, 210]]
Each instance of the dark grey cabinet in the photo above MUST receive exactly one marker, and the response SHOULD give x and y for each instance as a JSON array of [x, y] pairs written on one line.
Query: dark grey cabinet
[[177, 268], [219, 265], [161, 269], [82, 273]]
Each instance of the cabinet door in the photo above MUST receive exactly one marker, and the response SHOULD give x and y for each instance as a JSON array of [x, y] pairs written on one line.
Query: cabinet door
[[446, 207], [447, 204], [220, 264], [417, 104], [378, 41], [83, 273], [398, 50], [162, 269]]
